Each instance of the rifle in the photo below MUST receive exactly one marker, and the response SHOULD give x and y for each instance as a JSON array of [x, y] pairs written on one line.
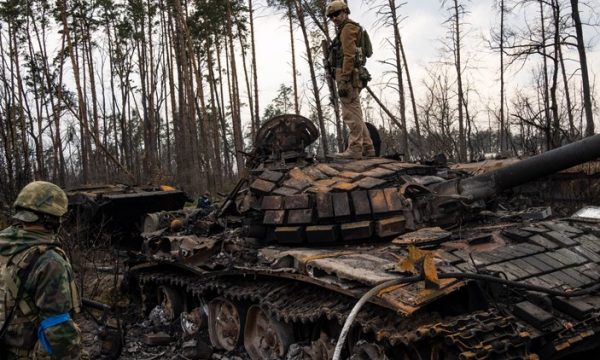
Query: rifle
[[333, 98], [111, 336], [329, 75]]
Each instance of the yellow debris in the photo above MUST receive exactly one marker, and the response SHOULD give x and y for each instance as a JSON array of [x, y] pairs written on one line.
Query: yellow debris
[[422, 262]]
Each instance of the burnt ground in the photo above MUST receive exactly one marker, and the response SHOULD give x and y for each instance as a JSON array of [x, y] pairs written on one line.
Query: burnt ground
[[100, 284], [135, 348]]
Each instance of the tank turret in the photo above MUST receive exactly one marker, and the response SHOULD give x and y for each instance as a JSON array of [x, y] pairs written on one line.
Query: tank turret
[[293, 199]]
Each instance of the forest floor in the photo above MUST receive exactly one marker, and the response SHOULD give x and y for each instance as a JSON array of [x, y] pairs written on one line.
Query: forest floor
[[105, 287]]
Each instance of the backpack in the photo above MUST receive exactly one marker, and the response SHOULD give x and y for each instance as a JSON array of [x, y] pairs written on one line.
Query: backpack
[[364, 50], [365, 46], [16, 266], [14, 271]]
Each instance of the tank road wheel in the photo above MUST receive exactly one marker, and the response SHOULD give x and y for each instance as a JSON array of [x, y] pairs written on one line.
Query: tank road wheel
[[265, 338], [171, 301], [225, 323]]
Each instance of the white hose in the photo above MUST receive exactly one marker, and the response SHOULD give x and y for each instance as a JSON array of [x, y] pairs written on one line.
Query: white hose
[[356, 309]]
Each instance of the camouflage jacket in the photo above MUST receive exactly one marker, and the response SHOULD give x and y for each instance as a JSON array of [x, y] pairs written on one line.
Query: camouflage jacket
[[49, 290], [344, 49]]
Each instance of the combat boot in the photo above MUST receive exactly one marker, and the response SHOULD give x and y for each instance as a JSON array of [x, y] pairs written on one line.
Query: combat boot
[[369, 151]]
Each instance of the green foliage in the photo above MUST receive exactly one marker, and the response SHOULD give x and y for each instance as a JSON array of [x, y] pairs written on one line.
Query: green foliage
[[208, 22], [281, 104]]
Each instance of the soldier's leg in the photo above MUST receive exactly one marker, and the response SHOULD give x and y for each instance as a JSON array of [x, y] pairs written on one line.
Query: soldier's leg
[[352, 115], [367, 144]]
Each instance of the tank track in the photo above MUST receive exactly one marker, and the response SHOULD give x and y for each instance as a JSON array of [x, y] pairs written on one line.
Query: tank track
[[479, 335], [483, 335]]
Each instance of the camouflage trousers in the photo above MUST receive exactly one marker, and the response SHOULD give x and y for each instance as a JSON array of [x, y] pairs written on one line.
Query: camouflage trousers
[[359, 140]]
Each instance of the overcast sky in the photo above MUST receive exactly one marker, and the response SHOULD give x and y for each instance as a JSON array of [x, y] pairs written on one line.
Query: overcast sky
[[422, 30]]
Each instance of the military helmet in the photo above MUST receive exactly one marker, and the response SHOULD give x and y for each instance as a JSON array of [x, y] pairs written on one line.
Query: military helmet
[[335, 6], [40, 197]]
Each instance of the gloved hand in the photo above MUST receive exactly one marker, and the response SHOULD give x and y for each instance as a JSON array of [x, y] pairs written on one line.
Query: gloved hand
[[344, 88]]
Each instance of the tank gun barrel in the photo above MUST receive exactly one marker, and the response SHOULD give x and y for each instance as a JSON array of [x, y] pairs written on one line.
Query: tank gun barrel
[[486, 185]]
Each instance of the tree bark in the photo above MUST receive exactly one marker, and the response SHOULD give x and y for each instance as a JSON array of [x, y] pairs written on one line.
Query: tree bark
[[80, 98], [462, 150], [235, 97], [313, 77], [400, 82], [294, 72], [254, 67], [587, 96]]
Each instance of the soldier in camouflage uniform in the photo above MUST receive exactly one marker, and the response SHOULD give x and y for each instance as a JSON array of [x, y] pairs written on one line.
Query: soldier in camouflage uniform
[[39, 291], [344, 53]]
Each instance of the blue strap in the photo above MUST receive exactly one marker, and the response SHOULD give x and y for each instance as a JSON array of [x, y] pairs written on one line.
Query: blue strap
[[47, 323]]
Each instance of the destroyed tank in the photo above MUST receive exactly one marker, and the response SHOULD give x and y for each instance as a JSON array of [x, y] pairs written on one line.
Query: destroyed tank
[[374, 259]]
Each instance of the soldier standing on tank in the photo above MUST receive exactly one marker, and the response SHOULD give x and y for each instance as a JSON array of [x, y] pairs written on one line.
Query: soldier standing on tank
[[343, 56], [38, 292]]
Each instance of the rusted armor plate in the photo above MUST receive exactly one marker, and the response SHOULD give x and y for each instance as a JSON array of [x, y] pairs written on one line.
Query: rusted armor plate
[[360, 202], [324, 205], [296, 184], [344, 186], [327, 170], [325, 182], [321, 233], [357, 231], [390, 227], [274, 217], [285, 191], [351, 175], [379, 172], [341, 205], [425, 236], [262, 186], [378, 202], [318, 189], [301, 201], [301, 216], [289, 235], [298, 174], [272, 176], [369, 182], [393, 200], [272, 203], [314, 173]]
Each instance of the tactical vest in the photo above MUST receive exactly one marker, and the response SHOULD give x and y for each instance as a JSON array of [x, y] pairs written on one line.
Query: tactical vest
[[364, 50], [14, 271]]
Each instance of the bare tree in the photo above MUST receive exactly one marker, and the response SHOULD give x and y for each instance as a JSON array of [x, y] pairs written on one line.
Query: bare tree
[[315, 86], [457, 13], [587, 97], [235, 97], [391, 18], [254, 67]]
